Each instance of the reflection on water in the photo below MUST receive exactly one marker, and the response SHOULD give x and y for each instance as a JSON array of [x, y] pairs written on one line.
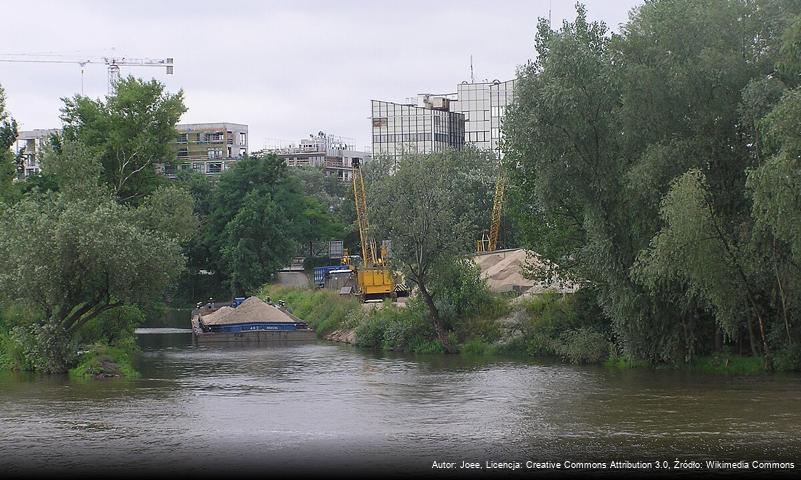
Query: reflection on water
[[320, 404]]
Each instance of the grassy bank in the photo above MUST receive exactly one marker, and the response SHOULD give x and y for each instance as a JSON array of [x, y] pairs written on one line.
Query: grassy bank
[[104, 361], [388, 326], [547, 326], [103, 347]]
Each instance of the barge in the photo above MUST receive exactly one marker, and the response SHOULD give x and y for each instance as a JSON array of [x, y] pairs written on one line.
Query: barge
[[249, 321]]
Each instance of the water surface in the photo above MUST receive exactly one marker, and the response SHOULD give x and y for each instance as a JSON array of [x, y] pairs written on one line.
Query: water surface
[[322, 405]]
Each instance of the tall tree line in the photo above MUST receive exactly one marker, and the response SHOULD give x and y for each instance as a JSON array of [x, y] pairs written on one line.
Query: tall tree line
[[660, 165]]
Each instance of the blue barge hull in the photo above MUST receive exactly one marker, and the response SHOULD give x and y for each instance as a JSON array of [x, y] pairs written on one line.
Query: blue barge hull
[[256, 326]]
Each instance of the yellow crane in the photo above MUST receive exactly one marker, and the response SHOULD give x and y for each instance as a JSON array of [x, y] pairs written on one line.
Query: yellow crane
[[373, 277], [489, 243]]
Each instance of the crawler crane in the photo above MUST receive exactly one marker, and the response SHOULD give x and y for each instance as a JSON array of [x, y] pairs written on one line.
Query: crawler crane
[[373, 277]]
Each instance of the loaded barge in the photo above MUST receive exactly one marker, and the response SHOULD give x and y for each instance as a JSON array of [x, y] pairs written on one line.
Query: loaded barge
[[247, 321]]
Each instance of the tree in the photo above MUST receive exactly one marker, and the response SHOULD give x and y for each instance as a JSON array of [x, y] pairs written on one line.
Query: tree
[[426, 205], [255, 222], [629, 157], [8, 135], [77, 253], [131, 131]]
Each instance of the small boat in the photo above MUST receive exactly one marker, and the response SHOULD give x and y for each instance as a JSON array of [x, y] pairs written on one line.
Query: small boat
[[250, 320]]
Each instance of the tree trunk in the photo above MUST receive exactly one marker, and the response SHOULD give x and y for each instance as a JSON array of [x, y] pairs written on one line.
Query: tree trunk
[[439, 327], [751, 337]]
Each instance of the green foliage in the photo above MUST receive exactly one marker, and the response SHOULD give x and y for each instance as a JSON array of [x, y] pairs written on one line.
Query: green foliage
[[8, 168], [555, 325], [659, 165], [113, 327], [102, 361], [130, 131], [324, 310], [169, 210], [479, 347], [788, 359], [732, 364], [459, 290], [397, 329], [19, 318], [254, 223], [428, 205], [77, 253]]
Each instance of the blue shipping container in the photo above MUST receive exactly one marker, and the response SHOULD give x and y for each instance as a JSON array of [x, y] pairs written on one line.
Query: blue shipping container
[[320, 272]]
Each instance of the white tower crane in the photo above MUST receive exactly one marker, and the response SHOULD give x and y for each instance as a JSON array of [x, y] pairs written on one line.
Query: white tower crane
[[113, 64]]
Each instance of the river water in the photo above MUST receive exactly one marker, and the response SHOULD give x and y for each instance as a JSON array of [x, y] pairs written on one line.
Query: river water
[[322, 406]]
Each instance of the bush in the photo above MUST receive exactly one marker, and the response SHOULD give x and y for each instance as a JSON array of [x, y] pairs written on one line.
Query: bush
[[565, 326], [102, 361], [478, 347], [584, 345], [44, 347], [788, 358], [397, 329], [112, 327], [460, 292]]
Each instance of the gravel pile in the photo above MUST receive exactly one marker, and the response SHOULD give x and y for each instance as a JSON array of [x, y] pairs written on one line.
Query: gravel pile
[[503, 272], [251, 310]]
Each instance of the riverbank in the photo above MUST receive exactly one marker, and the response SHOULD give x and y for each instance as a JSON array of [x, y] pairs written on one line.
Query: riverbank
[[102, 361], [565, 327]]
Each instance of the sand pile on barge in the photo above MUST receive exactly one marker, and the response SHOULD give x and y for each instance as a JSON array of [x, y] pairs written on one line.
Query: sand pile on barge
[[251, 310]]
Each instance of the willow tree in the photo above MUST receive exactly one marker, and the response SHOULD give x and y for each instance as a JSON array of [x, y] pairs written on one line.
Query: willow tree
[[430, 207], [74, 254]]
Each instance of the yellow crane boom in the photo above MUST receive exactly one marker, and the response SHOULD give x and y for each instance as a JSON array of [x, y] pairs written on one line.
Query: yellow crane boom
[[373, 278], [360, 200], [497, 208], [489, 243]]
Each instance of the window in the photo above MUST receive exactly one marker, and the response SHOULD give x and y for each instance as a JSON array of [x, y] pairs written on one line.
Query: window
[[181, 138], [197, 166], [215, 167], [183, 152], [243, 138]]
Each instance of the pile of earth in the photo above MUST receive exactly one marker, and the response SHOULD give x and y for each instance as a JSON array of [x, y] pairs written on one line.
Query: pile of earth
[[504, 272], [253, 309]]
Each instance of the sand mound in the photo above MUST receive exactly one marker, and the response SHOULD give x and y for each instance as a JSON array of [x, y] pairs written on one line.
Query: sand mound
[[503, 271], [213, 317], [251, 310]]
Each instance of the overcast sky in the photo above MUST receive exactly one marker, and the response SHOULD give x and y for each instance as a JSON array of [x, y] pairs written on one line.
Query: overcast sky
[[286, 69]]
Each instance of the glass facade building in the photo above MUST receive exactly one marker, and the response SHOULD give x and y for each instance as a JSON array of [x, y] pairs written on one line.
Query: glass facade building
[[402, 128], [483, 106], [474, 115]]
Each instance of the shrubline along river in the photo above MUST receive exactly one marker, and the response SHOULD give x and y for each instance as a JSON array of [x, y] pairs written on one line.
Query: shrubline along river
[[325, 407]]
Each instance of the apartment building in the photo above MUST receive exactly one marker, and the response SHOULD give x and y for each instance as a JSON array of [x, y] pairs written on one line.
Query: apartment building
[[209, 148], [30, 147], [333, 153]]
